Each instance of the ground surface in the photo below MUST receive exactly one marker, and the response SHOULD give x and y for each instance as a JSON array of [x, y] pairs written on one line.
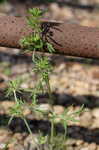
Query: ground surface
[[74, 81]]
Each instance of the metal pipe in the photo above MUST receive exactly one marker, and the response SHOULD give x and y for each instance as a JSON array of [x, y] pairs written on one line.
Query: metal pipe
[[68, 39]]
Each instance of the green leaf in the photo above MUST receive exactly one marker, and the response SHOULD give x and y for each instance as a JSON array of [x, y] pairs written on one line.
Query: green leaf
[[50, 47]]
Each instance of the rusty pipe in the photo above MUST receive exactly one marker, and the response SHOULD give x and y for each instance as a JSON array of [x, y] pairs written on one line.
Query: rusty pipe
[[68, 39]]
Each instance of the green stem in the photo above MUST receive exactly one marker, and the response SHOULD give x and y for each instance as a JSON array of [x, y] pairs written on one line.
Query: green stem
[[50, 101], [65, 133], [52, 133], [14, 92], [29, 130], [33, 56], [10, 120], [26, 123]]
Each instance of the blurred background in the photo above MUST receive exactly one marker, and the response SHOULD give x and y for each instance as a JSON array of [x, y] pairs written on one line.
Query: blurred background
[[75, 81], [84, 12]]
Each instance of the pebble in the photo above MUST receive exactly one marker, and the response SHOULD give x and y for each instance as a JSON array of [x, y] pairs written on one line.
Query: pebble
[[2, 145], [95, 112], [70, 148], [70, 141], [58, 109], [45, 107], [84, 148], [97, 147], [86, 119], [5, 135], [92, 146], [61, 67], [17, 147], [95, 123], [6, 8], [79, 142], [66, 13], [54, 9], [18, 136], [31, 141], [19, 68], [6, 105], [26, 111], [86, 2], [77, 68]]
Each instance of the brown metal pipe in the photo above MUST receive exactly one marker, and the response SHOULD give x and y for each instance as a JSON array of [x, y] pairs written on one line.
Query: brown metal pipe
[[68, 39]]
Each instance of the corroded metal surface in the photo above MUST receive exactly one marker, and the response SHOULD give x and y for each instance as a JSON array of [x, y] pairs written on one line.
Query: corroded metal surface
[[75, 40], [12, 29], [69, 39]]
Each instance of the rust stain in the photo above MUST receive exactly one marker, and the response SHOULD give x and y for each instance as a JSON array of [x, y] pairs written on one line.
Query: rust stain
[[68, 39]]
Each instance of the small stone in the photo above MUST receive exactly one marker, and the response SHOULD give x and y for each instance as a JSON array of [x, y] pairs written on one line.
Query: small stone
[[61, 67], [70, 142], [27, 111], [18, 136], [66, 13], [17, 147], [95, 123], [55, 10], [6, 105], [12, 144], [5, 135], [45, 107], [76, 68], [95, 74], [85, 2], [19, 68], [79, 142], [70, 148], [92, 146], [58, 109], [95, 112], [31, 141], [86, 119], [2, 145], [24, 85], [84, 148], [97, 147], [5, 7], [2, 14]]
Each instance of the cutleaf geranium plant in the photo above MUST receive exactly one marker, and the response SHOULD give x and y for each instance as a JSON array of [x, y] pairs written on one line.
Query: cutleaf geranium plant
[[43, 68]]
